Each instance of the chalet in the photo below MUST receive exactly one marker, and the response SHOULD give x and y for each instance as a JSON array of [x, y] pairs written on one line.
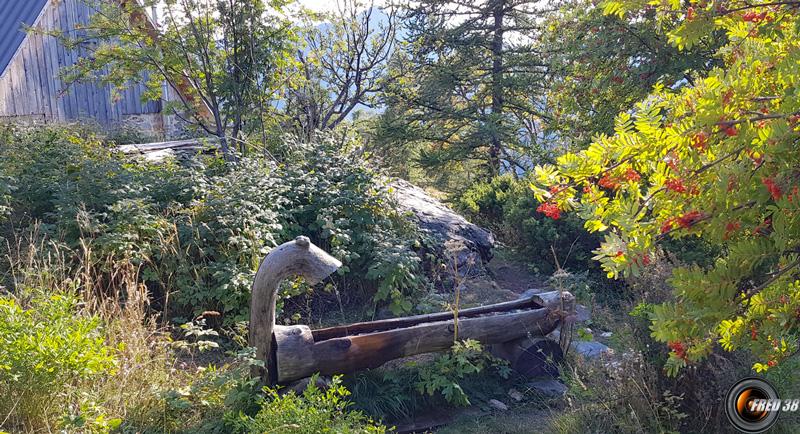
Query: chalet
[[30, 62]]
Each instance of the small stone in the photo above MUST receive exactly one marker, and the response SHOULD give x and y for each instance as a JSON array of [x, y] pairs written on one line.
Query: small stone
[[498, 405], [548, 388], [590, 349], [299, 386], [555, 334], [606, 335], [515, 395]]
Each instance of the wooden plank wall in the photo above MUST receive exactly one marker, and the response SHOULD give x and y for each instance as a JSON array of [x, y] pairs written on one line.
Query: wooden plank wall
[[31, 88]]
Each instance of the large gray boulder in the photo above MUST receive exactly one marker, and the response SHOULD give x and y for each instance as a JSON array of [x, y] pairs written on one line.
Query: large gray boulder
[[465, 246]]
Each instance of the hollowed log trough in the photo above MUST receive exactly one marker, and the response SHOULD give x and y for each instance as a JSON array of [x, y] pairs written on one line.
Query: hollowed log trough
[[514, 329]]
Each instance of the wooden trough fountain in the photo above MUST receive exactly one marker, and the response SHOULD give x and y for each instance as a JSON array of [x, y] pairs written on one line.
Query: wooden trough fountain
[[515, 330]]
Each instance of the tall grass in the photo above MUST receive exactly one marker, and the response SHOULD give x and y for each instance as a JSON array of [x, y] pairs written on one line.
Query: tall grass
[[39, 270], [123, 368]]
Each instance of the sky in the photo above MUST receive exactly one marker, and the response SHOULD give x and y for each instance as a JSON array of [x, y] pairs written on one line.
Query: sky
[[327, 5], [316, 5]]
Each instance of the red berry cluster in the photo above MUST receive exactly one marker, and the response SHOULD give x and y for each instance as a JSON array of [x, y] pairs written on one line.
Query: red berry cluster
[[607, 181], [754, 17], [729, 130], [700, 141], [685, 221], [794, 195], [732, 227], [555, 190], [678, 348], [677, 185], [727, 96], [613, 182], [763, 229], [689, 218], [774, 189], [643, 260], [690, 14], [550, 210], [632, 175]]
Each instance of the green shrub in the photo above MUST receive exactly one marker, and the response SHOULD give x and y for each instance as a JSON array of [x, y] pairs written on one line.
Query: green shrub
[[346, 208], [47, 346], [632, 393], [313, 411], [197, 403], [5, 197], [508, 208], [447, 380], [196, 233], [465, 358]]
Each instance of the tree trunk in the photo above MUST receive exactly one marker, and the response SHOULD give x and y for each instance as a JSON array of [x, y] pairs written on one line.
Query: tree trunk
[[498, 13]]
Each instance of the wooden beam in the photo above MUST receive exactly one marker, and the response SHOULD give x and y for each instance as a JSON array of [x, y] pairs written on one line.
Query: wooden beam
[[293, 352], [298, 355], [393, 323], [143, 148]]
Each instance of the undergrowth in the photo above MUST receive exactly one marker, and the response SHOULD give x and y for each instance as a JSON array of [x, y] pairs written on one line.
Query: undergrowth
[[74, 360], [447, 380], [195, 232]]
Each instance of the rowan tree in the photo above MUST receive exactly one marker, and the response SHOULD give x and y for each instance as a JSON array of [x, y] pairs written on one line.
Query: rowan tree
[[718, 159], [600, 64]]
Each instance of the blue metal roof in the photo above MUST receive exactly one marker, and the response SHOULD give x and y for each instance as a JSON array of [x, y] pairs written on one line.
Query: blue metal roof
[[14, 16]]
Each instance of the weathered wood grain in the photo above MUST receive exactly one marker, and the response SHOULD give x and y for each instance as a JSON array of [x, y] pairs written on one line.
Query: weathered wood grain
[[294, 258], [298, 355], [531, 301], [293, 352]]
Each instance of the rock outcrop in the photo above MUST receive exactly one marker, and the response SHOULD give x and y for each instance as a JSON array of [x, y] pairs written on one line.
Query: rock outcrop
[[465, 246]]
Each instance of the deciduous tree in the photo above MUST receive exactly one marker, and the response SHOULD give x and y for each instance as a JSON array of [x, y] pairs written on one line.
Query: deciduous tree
[[342, 66], [718, 159], [225, 57], [602, 64]]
